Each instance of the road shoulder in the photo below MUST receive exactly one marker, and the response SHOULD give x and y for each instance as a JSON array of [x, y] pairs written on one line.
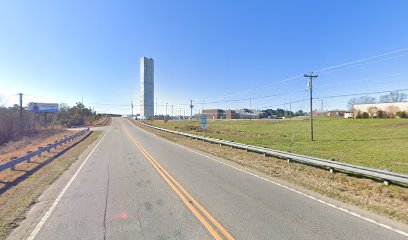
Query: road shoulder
[[48, 183], [308, 180]]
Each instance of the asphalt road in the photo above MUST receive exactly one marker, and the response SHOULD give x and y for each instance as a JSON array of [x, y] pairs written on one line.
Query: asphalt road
[[136, 185]]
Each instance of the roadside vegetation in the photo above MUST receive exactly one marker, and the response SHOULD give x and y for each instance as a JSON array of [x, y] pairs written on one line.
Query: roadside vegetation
[[33, 122], [378, 143], [390, 201]]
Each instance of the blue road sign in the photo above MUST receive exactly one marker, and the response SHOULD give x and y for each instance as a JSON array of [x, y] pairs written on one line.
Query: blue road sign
[[204, 121]]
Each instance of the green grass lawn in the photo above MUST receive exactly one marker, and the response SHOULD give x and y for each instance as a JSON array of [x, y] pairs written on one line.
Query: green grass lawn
[[379, 143]]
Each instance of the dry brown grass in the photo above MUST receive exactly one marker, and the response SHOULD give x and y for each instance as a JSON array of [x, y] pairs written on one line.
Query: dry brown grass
[[390, 201], [17, 200], [11, 176], [20, 147]]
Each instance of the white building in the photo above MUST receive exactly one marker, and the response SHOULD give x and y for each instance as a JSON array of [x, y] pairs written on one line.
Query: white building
[[146, 88]]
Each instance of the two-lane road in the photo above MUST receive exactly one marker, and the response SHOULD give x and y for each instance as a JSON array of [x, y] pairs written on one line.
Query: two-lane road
[[136, 185]]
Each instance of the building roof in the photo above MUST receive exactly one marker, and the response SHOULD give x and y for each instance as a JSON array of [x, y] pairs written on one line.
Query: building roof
[[338, 110]]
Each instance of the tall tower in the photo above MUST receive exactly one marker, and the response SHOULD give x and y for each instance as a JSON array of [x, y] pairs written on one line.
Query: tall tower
[[146, 87]]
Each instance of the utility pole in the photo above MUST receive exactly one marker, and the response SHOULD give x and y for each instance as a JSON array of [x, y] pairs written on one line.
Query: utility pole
[[157, 110], [166, 110], [202, 110], [131, 104], [290, 108], [311, 76], [21, 114], [171, 109], [191, 109], [322, 106]]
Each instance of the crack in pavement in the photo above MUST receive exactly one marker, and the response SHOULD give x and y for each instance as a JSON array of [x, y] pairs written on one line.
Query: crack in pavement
[[106, 201], [138, 219]]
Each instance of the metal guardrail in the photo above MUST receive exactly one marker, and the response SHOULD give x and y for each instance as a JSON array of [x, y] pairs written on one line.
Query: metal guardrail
[[14, 161], [384, 175]]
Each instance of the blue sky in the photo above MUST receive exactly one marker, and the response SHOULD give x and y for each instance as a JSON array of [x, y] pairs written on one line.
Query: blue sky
[[61, 51]]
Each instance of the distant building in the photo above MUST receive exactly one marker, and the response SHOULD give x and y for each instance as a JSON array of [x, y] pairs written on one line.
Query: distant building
[[336, 113], [373, 108], [146, 88], [246, 113], [230, 114], [214, 113], [348, 115], [233, 114], [317, 113]]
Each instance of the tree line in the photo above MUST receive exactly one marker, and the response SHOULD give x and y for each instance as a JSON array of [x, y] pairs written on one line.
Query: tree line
[[388, 98], [283, 113], [32, 122]]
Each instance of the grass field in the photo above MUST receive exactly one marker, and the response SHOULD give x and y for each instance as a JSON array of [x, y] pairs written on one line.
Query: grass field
[[379, 143]]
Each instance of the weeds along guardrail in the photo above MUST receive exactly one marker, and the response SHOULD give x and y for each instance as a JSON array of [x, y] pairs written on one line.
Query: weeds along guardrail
[[384, 175], [27, 158]]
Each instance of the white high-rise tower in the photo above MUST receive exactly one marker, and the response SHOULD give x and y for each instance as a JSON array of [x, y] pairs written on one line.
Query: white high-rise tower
[[146, 87]]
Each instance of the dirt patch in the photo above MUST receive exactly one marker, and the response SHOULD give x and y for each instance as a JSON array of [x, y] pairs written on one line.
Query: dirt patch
[[390, 201], [398, 124], [17, 200]]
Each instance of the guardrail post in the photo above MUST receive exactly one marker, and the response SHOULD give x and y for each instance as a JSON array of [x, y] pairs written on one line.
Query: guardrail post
[[386, 182], [331, 170], [29, 158], [40, 153], [289, 160], [13, 168]]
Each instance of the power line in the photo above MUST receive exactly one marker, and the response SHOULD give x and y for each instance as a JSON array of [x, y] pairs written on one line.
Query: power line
[[335, 96], [322, 70], [362, 60], [359, 94], [391, 76], [253, 98], [281, 104]]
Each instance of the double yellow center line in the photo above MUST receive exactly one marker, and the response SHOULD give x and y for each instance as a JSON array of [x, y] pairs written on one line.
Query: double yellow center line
[[209, 222]]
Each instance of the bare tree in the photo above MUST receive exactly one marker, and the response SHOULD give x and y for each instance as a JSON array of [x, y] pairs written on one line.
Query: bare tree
[[393, 97], [372, 111], [360, 100]]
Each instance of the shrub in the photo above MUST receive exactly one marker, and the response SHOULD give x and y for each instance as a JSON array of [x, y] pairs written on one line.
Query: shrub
[[358, 115], [365, 115], [401, 114], [381, 114]]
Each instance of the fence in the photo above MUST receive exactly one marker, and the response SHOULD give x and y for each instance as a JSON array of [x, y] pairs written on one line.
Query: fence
[[27, 158]]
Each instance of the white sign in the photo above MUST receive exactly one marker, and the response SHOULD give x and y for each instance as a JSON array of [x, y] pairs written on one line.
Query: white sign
[[204, 121], [43, 107]]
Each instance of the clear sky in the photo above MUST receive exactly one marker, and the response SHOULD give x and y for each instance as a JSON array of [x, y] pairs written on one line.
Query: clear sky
[[62, 51]]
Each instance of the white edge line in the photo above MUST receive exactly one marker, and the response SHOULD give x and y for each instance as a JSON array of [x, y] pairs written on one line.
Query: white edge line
[[294, 190], [55, 203]]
